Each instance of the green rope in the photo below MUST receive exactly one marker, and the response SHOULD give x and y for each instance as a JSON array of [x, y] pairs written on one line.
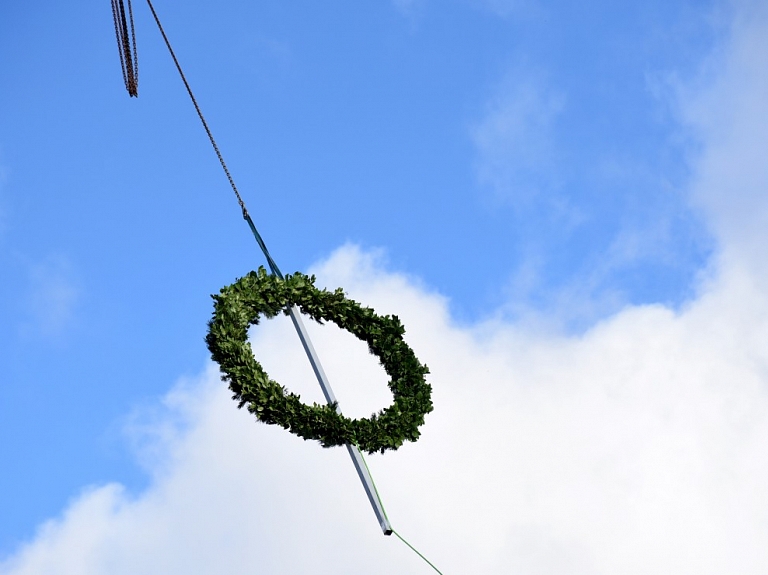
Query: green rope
[[257, 235], [246, 216], [417, 552], [376, 490]]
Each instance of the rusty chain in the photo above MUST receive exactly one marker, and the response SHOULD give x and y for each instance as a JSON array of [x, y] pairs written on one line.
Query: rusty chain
[[126, 45]]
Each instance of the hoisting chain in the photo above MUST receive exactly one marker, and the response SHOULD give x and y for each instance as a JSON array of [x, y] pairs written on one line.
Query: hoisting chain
[[126, 45], [129, 61]]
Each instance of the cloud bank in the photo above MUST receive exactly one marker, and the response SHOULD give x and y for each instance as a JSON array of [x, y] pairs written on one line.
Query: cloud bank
[[640, 446]]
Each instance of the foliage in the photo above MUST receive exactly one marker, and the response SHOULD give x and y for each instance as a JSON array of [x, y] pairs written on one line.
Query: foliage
[[241, 304]]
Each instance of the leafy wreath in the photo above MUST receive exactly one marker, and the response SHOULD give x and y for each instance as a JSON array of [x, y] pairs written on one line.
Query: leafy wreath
[[241, 304]]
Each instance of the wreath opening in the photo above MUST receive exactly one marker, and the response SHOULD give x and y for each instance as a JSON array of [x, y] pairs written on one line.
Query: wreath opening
[[241, 304]]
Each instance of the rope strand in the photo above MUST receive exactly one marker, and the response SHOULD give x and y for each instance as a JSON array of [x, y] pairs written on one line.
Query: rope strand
[[255, 232], [376, 491], [199, 113]]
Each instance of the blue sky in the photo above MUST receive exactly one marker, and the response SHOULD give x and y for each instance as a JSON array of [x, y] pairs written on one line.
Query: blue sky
[[538, 165]]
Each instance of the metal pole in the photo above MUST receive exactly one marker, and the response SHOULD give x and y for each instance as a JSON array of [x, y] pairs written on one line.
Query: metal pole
[[354, 452], [294, 312]]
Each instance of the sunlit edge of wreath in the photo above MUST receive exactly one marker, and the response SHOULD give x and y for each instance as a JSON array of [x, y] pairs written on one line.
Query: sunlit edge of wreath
[[240, 305]]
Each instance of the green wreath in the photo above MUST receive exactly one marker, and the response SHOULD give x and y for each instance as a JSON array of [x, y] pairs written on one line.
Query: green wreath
[[241, 304]]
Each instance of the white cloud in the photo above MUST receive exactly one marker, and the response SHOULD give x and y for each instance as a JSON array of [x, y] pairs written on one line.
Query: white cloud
[[409, 8], [506, 8], [730, 118], [515, 138], [638, 447], [52, 297]]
